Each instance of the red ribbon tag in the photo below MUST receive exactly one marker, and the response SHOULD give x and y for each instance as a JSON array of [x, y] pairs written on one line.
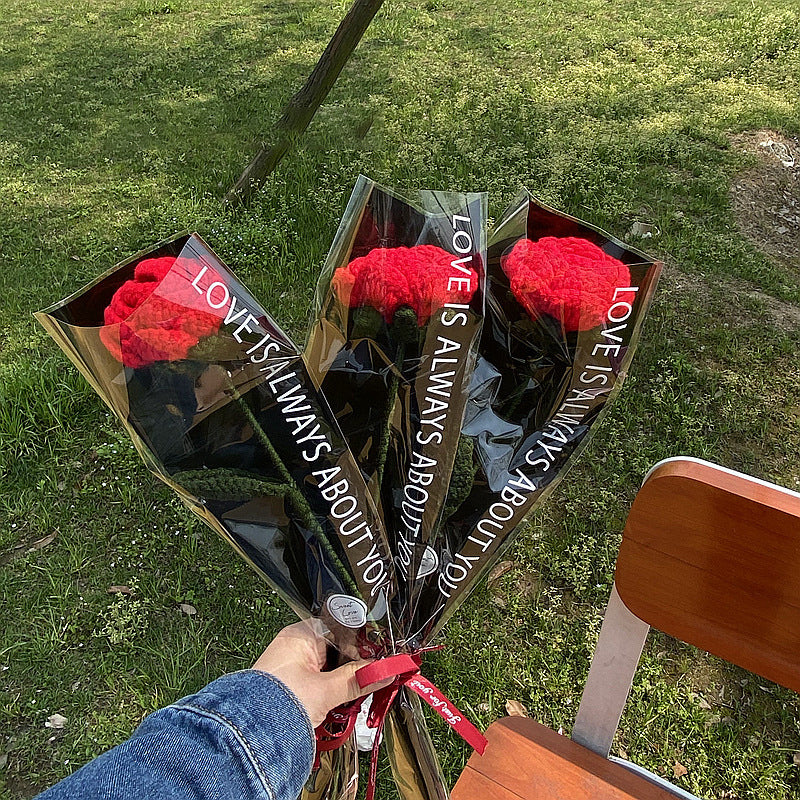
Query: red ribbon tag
[[447, 711], [404, 668]]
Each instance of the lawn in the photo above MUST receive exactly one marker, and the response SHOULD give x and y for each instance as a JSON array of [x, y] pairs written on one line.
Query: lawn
[[124, 122]]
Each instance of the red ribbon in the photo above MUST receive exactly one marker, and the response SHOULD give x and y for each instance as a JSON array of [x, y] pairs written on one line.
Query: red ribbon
[[405, 670]]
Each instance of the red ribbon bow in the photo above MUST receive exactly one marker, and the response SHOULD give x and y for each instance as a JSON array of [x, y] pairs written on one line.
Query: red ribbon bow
[[405, 669]]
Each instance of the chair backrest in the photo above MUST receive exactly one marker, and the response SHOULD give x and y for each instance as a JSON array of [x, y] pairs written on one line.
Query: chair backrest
[[711, 557]]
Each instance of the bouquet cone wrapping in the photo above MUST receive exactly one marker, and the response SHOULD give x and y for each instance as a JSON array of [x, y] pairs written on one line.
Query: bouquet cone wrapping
[[445, 389], [219, 403], [401, 307], [565, 307]]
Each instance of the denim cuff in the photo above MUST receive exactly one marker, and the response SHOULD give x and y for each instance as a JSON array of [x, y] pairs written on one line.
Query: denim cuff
[[269, 723]]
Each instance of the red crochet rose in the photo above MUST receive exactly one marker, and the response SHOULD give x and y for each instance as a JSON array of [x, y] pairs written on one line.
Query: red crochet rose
[[418, 277], [569, 279], [151, 327]]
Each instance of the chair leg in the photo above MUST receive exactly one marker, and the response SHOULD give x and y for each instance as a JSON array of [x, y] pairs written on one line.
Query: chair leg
[[619, 647]]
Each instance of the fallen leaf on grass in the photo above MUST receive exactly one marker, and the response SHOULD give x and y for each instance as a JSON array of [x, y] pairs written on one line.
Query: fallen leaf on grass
[[120, 590], [3, 760], [187, 609], [43, 542], [643, 230], [780, 151], [796, 759], [23, 548], [515, 709], [678, 770], [496, 597], [498, 572], [529, 585], [56, 722]]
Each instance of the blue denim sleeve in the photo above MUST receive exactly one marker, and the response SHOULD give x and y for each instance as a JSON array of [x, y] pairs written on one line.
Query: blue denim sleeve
[[243, 736]]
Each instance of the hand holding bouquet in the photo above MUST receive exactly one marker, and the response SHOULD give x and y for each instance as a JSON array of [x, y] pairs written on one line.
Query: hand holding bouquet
[[443, 392]]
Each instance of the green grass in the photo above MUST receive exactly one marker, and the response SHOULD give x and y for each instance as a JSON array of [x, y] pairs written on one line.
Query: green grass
[[124, 122]]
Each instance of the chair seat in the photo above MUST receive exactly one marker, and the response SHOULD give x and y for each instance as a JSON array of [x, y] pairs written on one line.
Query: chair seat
[[527, 761]]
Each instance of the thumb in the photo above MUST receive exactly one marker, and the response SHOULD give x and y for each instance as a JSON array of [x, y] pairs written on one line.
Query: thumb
[[343, 686]]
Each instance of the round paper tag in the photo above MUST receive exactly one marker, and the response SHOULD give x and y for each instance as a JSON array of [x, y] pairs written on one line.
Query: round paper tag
[[428, 564], [349, 611]]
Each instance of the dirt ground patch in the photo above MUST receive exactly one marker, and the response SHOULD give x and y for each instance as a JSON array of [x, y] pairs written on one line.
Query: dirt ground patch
[[766, 197], [736, 302]]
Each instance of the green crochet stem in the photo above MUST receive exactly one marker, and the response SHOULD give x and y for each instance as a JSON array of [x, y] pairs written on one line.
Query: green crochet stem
[[514, 400], [386, 430], [405, 330], [227, 484], [292, 491], [462, 478]]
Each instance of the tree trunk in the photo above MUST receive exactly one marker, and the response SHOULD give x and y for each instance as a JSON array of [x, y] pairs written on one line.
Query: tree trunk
[[300, 110]]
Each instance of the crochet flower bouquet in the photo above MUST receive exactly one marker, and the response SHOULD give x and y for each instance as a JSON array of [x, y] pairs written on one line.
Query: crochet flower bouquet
[[371, 480]]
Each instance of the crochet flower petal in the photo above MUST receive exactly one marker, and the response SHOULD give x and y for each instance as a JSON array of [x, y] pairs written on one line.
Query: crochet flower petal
[[151, 327], [418, 277], [567, 278]]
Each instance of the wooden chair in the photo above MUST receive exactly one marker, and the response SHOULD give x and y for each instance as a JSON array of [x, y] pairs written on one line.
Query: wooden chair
[[709, 556]]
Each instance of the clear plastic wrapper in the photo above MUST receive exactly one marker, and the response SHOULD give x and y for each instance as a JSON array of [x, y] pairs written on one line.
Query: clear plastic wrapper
[[335, 775], [393, 346], [219, 404], [400, 307], [415, 765], [565, 305]]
